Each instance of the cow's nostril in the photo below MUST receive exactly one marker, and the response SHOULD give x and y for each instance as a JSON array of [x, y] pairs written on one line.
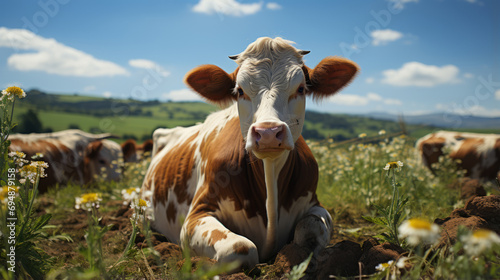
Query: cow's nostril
[[280, 135]]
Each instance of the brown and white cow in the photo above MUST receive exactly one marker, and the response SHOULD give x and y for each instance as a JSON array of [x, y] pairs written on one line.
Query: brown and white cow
[[71, 155], [243, 183], [132, 152], [479, 153]]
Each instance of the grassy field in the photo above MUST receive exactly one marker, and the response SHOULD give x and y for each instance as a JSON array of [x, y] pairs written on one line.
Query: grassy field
[[57, 241], [352, 185]]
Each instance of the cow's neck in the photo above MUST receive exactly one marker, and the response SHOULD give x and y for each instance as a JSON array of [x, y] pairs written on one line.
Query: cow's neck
[[272, 168]]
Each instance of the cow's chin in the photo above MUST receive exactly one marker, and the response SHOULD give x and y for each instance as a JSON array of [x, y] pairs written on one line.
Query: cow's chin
[[269, 153]]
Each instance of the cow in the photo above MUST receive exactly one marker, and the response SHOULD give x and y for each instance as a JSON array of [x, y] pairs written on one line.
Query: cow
[[71, 155], [242, 184], [163, 137], [479, 154], [132, 152]]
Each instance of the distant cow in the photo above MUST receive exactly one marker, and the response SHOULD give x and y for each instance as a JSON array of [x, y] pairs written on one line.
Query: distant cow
[[479, 153], [244, 181], [71, 155], [133, 152], [166, 137]]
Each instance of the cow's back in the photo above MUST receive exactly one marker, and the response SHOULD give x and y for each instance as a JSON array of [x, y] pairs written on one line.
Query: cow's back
[[479, 154], [64, 162]]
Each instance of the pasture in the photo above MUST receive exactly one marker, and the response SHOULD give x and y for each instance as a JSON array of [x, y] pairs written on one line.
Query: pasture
[[113, 241]]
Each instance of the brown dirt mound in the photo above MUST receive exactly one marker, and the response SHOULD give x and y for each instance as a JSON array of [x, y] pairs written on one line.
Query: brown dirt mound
[[478, 212]]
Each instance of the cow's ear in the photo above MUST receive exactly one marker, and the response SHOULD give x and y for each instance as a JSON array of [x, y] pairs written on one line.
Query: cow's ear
[[212, 83], [329, 76], [128, 148], [93, 149]]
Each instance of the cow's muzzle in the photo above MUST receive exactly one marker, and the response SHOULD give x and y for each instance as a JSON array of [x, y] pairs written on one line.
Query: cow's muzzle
[[269, 137]]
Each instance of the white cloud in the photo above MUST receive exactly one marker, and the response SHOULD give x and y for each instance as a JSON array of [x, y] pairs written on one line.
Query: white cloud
[[400, 4], [349, 100], [476, 110], [273, 6], [359, 100], [227, 7], [390, 101], [52, 57], [148, 64], [142, 63], [384, 36], [182, 95], [421, 75], [370, 80], [107, 94], [373, 96], [497, 94]]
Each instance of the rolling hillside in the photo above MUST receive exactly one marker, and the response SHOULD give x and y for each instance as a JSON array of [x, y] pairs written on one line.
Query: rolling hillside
[[138, 119]]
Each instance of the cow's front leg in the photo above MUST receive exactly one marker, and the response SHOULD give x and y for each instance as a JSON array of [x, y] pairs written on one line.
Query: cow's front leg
[[313, 231], [207, 236]]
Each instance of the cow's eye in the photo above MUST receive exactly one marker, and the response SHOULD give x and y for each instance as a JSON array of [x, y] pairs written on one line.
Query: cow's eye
[[301, 90], [240, 92]]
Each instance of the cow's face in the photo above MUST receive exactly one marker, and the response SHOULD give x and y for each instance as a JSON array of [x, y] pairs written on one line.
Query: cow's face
[[270, 86], [104, 158]]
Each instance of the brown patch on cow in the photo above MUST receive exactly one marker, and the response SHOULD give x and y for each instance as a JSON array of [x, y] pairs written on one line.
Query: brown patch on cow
[[216, 236], [173, 171], [171, 213], [468, 154], [432, 149], [240, 248]]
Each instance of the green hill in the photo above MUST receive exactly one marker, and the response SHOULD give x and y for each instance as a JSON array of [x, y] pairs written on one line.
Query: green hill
[[138, 119]]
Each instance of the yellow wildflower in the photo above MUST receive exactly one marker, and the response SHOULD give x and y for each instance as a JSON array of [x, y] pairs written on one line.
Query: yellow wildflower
[[393, 164], [88, 201], [11, 92]]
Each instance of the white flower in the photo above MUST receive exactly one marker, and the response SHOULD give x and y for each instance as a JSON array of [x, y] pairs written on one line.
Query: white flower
[[418, 231], [480, 241], [140, 205], [384, 266], [382, 132], [130, 194], [402, 262]]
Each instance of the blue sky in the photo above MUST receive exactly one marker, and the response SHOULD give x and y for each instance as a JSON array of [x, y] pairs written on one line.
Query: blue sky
[[416, 56]]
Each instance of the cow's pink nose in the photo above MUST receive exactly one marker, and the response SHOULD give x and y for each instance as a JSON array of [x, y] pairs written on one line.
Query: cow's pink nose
[[268, 137]]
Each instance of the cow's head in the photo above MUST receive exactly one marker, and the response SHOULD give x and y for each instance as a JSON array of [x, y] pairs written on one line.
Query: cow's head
[[270, 86], [103, 157]]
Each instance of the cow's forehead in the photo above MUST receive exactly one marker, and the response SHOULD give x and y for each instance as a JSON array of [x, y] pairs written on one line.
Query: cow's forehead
[[269, 66]]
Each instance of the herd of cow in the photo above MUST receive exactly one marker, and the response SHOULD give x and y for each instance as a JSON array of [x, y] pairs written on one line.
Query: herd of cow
[[242, 184]]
